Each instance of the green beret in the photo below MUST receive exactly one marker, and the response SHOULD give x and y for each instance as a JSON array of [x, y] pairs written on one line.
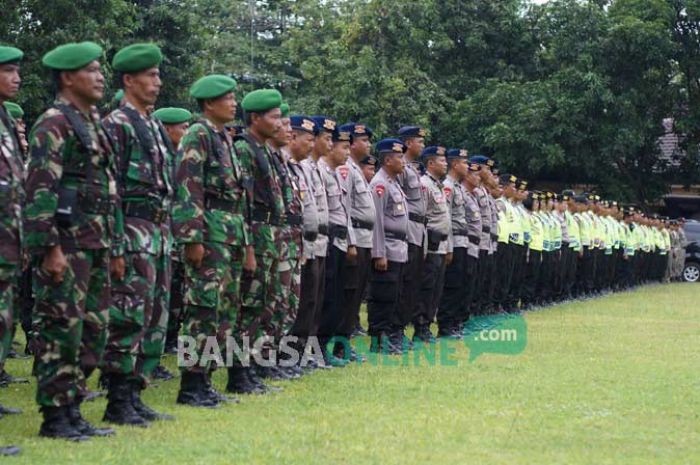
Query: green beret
[[137, 57], [284, 108], [14, 110], [262, 100], [72, 56], [171, 115], [212, 86], [9, 54], [118, 96]]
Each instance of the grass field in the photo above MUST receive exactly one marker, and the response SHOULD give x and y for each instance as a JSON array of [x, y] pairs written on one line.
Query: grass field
[[610, 381]]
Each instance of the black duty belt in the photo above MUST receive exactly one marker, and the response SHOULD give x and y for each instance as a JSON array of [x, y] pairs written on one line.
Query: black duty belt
[[323, 229], [339, 231], [415, 217], [399, 236], [310, 236], [216, 203], [266, 216], [146, 212], [359, 224], [474, 239], [486, 229], [460, 232]]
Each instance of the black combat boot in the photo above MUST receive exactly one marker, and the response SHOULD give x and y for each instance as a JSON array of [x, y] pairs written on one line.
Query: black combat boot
[[162, 373], [146, 412], [216, 395], [82, 425], [120, 410], [240, 383], [57, 424], [193, 391]]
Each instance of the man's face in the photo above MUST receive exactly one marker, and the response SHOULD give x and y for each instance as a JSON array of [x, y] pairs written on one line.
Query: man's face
[[339, 153], [284, 135], [9, 81], [87, 83], [360, 146], [393, 164], [176, 131], [324, 143], [438, 166], [143, 86], [222, 109], [472, 178], [268, 123], [301, 145], [368, 172], [414, 146]]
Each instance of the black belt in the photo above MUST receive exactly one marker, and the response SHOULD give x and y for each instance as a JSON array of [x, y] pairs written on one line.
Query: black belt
[[339, 231], [494, 237], [399, 236], [266, 216], [486, 229], [461, 232], [310, 235], [145, 211], [415, 217], [323, 229], [474, 239], [221, 204], [359, 224], [294, 219]]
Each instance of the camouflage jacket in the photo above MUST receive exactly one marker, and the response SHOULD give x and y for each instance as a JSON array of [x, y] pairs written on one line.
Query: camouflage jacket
[[11, 193], [291, 195], [61, 168], [211, 202], [145, 170], [267, 199]]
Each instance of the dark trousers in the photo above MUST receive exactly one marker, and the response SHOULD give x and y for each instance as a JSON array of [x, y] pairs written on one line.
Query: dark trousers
[[519, 268], [483, 283], [411, 275], [303, 326], [383, 301], [586, 270], [432, 280], [332, 307], [451, 311], [532, 277], [356, 274]]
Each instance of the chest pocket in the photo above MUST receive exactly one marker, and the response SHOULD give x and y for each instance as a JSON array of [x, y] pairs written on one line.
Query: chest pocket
[[334, 195], [457, 199], [413, 191], [396, 206], [140, 169]]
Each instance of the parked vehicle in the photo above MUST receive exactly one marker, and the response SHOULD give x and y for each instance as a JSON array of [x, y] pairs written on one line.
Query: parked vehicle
[[691, 272]]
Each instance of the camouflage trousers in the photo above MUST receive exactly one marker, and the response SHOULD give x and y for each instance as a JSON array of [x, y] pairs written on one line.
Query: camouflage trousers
[[258, 289], [138, 317], [177, 282], [70, 319], [212, 298], [8, 277], [287, 283]]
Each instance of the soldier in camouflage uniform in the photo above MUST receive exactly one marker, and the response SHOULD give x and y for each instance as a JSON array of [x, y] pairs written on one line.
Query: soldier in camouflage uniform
[[288, 275], [70, 226], [263, 119], [139, 309], [11, 174], [211, 222]]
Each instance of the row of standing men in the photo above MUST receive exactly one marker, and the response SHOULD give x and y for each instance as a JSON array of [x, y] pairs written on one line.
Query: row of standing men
[[282, 229]]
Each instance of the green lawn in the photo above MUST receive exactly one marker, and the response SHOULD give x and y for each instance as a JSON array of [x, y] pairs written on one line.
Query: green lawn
[[610, 381]]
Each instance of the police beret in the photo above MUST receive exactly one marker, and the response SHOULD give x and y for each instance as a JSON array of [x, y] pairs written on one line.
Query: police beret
[[14, 110], [262, 100], [324, 123], [172, 115], [474, 167], [390, 146], [137, 57], [581, 198], [358, 129], [433, 151], [284, 108], [72, 56], [118, 96], [212, 86], [456, 153], [10, 54], [479, 159], [342, 135], [411, 131], [507, 179], [303, 123], [523, 185], [369, 160], [491, 163]]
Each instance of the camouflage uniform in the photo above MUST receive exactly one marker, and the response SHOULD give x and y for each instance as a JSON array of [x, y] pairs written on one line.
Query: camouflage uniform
[[10, 227], [288, 273], [139, 310], [211, 208], [267, 217], [71, 199]]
